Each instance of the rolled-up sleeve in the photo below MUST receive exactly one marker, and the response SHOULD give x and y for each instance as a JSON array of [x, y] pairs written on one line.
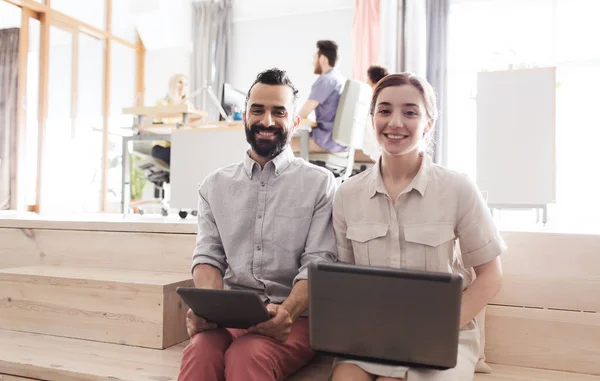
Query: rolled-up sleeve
[[321, 89], [344, 245], [480, 241], [209, 247], [320, 241]]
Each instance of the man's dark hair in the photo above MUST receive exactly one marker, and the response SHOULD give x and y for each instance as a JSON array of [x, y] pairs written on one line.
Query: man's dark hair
[[328, 49], [376, 73], [274, 76]]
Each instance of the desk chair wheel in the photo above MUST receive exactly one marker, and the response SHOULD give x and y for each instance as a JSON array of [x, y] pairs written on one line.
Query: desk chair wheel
[[183, 214], [164, 212]]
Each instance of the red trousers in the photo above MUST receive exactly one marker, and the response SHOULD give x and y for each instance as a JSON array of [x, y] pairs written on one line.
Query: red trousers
[[235, 355]]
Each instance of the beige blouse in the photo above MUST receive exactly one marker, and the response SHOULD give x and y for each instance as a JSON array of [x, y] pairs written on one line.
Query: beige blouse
[[439, 210], [419, 232]]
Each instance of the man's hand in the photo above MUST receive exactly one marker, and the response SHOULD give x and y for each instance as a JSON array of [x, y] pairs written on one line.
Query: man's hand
[[195, 324], [278, 327]]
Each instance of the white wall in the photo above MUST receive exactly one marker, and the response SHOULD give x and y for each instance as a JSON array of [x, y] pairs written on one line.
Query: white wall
[[165, 27], [265, 33], [284, 33], [10, 16]]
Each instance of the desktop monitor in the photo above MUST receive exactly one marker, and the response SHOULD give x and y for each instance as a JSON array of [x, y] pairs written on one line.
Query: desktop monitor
[[233, 100]]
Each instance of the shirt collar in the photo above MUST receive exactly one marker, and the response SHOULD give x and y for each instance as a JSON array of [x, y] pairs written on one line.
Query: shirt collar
[[419, 183], [280, 162]]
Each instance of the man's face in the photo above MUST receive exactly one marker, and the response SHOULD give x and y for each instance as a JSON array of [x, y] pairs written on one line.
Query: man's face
[[270, 119], [318, 69]]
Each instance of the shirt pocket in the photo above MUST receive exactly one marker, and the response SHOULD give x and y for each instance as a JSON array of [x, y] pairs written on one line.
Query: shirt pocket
[[434, 241], [291, 228], [369, 243]]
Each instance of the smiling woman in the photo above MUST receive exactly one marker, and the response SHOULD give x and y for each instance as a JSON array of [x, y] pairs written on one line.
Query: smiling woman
[[413, 212]]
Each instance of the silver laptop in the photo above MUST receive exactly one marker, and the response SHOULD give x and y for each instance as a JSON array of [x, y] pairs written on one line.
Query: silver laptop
[[385, 315]]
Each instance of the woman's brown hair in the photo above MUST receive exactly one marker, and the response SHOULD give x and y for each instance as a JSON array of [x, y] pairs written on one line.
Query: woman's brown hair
[[419, 83]]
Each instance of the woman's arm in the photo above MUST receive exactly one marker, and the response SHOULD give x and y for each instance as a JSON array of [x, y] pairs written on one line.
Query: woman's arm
[[483, 289]]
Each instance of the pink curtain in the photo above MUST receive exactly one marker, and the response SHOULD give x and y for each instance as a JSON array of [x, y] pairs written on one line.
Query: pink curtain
[[365, 37]]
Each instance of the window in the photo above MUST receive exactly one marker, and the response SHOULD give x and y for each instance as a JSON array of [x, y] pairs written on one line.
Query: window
[[31, 112], [10, 16], [91, 12], [122, 20], [89, 121], [122, 94], [59, 174]]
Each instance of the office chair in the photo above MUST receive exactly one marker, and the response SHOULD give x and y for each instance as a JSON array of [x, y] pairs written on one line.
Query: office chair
[[348, 128], [156, 171]]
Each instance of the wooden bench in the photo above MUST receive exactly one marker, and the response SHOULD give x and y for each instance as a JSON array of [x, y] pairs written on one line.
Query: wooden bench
[[544, 325]]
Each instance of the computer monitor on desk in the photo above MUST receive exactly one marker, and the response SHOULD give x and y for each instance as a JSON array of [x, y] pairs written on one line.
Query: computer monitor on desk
[[233, 99]]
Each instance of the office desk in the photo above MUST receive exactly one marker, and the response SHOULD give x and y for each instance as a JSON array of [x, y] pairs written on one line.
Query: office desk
[[178, 166], [183, 111]]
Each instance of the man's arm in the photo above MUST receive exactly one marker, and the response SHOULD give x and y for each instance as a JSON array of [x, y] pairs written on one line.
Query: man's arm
[[283, 316], [297, 302], [209, 261], [209, 247], [208, 277], [307, 108]]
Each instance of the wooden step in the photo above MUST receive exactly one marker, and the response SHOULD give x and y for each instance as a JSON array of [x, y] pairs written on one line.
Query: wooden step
[[515, 373], [543, 338], [135, 250], [6, 377], [52, 358], [138, 308]]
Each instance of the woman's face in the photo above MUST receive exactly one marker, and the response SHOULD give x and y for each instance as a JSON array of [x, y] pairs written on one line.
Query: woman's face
[[182, 87], [400, 120]]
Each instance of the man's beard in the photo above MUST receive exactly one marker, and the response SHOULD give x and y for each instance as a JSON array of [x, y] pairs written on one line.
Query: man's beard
[[318, 69], [263, 147]]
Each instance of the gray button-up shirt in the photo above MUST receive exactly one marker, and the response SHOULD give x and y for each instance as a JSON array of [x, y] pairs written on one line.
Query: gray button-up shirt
[[262, 227]]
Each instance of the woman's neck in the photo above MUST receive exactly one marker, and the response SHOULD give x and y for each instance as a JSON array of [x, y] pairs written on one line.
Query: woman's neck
[[400, 169]]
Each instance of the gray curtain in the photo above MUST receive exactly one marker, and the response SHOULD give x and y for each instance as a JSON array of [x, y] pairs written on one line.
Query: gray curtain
[[9, 68], [437, 70], [422, 33], [211, 31]]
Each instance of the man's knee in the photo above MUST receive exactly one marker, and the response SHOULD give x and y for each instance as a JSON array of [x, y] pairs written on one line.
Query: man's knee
[[207, 346], [247, 349], [249, 355]]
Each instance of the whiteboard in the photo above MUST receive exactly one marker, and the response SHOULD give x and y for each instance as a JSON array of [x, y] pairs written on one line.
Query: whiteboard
[[197, 152], [516, 136]]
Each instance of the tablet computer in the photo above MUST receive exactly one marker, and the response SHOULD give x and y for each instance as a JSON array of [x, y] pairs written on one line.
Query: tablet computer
[[227, 308]]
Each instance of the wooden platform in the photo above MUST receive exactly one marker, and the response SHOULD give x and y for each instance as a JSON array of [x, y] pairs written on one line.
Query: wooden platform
[[139, 308], [60, 359], [52, 358], [547, 315], [104, 241]]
